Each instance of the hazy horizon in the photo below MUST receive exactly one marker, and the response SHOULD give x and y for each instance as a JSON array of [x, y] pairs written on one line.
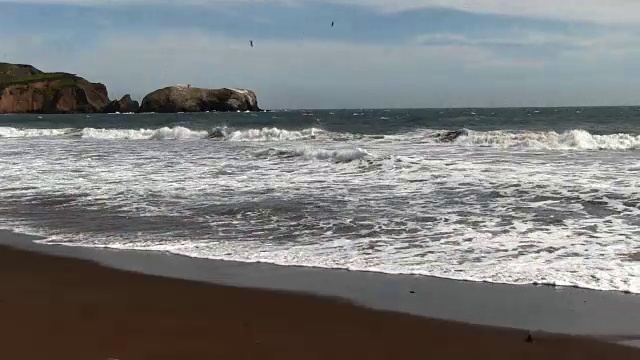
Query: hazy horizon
[[423, 54]]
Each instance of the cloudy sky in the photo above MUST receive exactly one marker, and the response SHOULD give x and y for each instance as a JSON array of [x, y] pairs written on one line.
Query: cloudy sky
[[416, 53]]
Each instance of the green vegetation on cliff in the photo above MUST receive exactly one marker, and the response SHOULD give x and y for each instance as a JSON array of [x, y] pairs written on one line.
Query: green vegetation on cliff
[[17, 70], [26, 89], [15, 74]]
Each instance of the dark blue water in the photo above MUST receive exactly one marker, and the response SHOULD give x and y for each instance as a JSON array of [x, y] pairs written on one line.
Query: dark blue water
[[596, 120]]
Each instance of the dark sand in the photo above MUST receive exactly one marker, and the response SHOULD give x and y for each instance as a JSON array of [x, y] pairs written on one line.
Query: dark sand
[[604, 314], [60, 308]]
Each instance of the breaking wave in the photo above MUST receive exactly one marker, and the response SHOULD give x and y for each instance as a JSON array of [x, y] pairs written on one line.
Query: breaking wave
[[270, 134], [165, 133], [11, 132], [308, 153], [569, 140], [538, 140]]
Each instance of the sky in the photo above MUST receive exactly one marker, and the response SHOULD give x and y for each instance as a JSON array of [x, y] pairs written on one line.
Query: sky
[[379, 54]]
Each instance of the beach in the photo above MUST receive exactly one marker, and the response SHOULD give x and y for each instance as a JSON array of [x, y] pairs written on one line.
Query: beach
[[57, 307]]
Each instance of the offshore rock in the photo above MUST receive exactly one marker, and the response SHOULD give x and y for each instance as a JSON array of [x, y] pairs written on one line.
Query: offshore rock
[[189, 99], [124, 105]]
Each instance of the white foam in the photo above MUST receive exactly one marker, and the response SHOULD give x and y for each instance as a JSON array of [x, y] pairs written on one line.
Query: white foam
[[310, 153], [164, 133], [12, 132], [578, 140], [274, 134], [569, 140], [403, 204], [338, 155]]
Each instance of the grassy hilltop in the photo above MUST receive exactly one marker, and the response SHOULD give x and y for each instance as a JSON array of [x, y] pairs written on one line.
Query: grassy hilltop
[[19, 74]]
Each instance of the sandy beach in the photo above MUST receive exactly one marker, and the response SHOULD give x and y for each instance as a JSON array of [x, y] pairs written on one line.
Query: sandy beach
[[61, 308]]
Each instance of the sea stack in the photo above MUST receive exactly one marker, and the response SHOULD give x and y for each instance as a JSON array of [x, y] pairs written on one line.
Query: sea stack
[[184, 98], [124, 105]]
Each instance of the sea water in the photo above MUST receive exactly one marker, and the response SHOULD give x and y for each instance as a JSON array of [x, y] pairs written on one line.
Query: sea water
[[547, 196]]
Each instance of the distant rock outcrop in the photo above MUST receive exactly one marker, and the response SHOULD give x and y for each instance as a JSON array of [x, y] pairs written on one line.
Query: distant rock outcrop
[[189, 99], [25, 89], [124, 105]]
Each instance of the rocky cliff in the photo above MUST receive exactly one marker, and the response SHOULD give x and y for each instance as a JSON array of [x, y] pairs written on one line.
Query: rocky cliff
[[25, 89], [190, 99]]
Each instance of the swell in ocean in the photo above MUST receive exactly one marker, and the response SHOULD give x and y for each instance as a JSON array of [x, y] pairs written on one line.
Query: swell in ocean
[[522, 196]]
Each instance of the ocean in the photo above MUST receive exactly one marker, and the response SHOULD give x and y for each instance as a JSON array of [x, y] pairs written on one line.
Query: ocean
[[523, 196]]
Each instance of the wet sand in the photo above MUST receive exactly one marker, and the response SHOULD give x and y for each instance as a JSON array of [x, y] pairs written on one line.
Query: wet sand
[[61, 308], [604, 314]]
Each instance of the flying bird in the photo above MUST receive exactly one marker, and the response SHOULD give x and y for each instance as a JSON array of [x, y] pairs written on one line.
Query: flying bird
[[251, 43], [333, 22]]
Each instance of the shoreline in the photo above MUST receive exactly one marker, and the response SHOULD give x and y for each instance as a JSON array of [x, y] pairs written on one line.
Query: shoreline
[[69, 252], [612, 316], [58, 307]]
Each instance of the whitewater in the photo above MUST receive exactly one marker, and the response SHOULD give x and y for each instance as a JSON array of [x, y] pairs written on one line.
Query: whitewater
[[522, 196]]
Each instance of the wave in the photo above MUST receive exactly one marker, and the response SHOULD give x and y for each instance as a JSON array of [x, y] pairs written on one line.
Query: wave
[[177, 132], [11, 132], [551, 140], [164, 133], [537, 140], [308, 153], [269, 134]]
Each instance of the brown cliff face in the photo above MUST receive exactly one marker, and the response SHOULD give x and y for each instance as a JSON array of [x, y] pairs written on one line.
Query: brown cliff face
[[51, 97], [25, 89]]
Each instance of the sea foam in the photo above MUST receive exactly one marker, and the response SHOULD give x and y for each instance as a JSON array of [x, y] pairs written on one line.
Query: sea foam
[[551, 140], [576, 139]]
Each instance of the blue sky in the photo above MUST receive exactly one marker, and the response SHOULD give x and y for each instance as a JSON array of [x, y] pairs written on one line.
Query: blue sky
[[421, 53]]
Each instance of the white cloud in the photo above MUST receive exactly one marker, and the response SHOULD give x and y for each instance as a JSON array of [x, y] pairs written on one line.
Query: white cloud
[[605, 11], [522, 39], [311, 74], [611, 40]]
